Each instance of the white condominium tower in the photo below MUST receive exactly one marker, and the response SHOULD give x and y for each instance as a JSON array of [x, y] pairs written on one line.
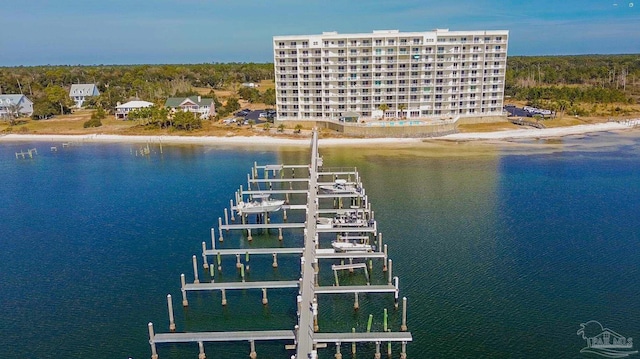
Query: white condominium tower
[[413, 75]]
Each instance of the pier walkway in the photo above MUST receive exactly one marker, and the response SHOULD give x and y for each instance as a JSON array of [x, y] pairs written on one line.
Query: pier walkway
[[353, 227]]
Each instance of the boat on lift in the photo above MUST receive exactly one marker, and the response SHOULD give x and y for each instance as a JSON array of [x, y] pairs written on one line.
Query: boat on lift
[[349, 246], [261, 203], [340, 186]]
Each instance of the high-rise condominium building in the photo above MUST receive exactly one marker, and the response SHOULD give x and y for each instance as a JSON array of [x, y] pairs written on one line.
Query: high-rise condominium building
[[433, 74]]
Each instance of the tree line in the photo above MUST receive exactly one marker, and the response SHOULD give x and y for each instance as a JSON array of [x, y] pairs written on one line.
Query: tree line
[[584, 78]]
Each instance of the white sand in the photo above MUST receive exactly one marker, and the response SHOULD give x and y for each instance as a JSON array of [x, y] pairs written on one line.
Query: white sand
[[304, 141]]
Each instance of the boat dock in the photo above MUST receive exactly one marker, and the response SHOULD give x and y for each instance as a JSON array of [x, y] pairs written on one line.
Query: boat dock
[[339, 236]]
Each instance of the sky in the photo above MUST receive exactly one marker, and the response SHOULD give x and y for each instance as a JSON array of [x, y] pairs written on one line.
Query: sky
[[89, 32]]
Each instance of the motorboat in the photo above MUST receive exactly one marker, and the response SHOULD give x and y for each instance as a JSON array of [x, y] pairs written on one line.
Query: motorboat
[[340, 186], [261, 205], [348, 246], [344, 219]]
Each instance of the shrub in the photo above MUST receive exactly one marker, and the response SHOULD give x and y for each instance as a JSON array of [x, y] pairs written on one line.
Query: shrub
[[94, 122]]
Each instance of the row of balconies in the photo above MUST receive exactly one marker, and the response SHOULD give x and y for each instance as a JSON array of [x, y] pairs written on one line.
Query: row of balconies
[[394, 45]]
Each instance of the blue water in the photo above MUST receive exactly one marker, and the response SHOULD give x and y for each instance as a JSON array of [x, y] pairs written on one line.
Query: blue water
[[501, 256]]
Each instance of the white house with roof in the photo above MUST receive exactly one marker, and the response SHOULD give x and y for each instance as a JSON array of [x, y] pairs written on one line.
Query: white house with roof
[[80, 92], [122, 111], [21, 102], [205, 107]]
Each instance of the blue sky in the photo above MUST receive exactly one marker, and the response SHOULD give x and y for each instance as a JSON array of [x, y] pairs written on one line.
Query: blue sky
[[72, 32]]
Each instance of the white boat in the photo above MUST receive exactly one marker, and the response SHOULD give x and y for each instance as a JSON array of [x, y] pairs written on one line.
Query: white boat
[[340, 186], [351, 247], [265, 204]]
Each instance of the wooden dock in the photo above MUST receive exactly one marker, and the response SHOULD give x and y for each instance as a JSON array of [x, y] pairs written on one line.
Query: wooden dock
[[354, 221]]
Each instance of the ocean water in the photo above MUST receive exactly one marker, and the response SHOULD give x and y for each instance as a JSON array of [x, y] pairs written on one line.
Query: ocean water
[[501, 255]]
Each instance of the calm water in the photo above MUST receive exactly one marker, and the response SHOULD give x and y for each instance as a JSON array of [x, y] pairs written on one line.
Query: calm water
[[501, 256]]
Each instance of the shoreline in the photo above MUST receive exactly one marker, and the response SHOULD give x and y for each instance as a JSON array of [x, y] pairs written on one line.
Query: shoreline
[[506, 135]]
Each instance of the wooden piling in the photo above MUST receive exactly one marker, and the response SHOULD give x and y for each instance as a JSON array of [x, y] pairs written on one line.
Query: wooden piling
[[224, 297], [172, 323], [377, 355], [201, 355], [220, 238], [249, 237], [275, 260], [252, 353], [280, 234], [154, 353], [226, 217], [353, 344], [356, 302], [205, 264], [396, 292], [403, 327], [233, 218], [338, 355], [265, 301], [389, 271], [183, 282], [238, 264], [194, 259]]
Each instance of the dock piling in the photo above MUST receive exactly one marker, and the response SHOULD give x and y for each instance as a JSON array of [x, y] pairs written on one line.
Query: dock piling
[[396, 292], [403, 353], [389, 271], [265, 301], [154, 353], [233, 218], [205, 264], [403, 327], [353, 344], [253, 354], [220, 238], [275, 260], [194, 259], [249, 237], [226, 217], [356, 302], [377, 355], [212, 272], [238, 264], [172, 323], [183, 282], [224, 297], [201, 355], [338, 355], [280, 234]]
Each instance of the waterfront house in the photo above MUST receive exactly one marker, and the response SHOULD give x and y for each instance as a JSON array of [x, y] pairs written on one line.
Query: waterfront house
[[122, 111], [80, 92], [15, 103], [204, 107]]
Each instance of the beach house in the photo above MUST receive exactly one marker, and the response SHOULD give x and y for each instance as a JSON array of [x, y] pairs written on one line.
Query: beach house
[[80, 92], [122, 111], [204, 107], [15, 105]]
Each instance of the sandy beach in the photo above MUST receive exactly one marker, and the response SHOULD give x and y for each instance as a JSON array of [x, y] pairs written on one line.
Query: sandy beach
[[304, 140]]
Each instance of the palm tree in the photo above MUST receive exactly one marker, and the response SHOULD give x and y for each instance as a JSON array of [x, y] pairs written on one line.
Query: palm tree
[[402, 107], [281, 127], [266, 126], [383, 107]]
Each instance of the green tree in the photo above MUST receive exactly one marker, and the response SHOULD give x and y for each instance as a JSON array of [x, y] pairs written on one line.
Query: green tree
[[281, 127], [98, 114], [185, 120], [298, 128], [59, 96], [269, 97], [402, 107], [232, 105], [383, 107], [266, 126]]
